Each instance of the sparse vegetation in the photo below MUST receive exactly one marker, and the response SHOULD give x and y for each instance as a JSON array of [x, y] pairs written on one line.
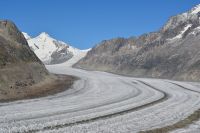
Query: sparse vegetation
[[183, 123]]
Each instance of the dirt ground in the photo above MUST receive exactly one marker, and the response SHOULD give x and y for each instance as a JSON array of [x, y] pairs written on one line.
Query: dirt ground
[[52, 84]]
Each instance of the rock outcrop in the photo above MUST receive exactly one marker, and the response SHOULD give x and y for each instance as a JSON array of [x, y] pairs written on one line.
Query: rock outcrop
[[19, 66]]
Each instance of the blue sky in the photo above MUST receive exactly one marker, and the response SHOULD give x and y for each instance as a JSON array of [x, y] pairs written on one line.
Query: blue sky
[[84, 23]]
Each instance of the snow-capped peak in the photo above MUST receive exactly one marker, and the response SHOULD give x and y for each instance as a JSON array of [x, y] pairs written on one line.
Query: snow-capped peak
[[26, 36], [44, 36], [186, 18], [52, 51], [196, 9]]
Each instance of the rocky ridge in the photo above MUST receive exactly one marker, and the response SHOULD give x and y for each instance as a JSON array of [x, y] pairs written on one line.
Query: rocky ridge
[[171, 52], [22, 74]]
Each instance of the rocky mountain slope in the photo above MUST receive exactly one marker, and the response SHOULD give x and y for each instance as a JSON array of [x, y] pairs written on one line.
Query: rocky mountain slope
[[172, 52], [50, 50], [22, 74]]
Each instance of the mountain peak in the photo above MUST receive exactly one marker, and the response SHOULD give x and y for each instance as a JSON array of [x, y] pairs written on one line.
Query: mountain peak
[[44, 35], [50, 50], [26, 35], [196, 9]]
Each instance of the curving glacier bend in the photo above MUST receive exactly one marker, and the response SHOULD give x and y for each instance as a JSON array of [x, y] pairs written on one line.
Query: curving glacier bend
[[102, 102]]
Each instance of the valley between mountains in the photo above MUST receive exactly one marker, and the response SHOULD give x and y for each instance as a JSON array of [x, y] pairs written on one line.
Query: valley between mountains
[[103, 102], [147, 84]]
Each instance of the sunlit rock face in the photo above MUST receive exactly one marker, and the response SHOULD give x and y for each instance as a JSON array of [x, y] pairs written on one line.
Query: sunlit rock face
[[172, 52]]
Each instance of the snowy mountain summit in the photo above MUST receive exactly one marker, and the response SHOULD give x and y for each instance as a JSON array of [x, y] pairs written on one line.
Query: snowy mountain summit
[[196, 9], [50, 50]]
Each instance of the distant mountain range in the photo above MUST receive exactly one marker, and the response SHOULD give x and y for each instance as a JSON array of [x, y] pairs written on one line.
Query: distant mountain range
[[50, 50], [172, 52]]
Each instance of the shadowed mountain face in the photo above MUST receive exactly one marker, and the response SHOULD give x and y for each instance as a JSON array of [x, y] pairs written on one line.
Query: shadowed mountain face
[[172, 52], [19, 66], [14, 47]]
